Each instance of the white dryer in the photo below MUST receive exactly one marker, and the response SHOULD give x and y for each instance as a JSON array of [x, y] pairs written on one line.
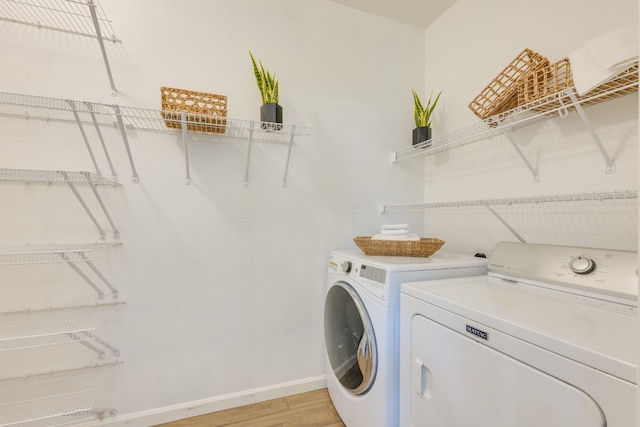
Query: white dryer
[[361, 328], [549, 337]]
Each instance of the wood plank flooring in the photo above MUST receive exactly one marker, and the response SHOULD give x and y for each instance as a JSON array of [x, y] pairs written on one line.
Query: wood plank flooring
[[311, 409]]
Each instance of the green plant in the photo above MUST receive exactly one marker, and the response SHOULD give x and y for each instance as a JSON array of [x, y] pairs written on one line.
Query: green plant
[[422, 114], [267, 83]]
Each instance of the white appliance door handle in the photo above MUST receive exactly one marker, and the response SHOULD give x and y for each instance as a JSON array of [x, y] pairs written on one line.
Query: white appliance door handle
[[421, 378]]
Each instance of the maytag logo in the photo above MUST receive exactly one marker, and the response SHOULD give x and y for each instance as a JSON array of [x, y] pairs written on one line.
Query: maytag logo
[[477, 332]]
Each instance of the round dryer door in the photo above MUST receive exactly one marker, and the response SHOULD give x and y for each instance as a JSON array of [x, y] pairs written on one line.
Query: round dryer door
[[349, 338]]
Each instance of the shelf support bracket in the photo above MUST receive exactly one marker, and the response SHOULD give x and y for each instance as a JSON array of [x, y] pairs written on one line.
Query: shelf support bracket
[[123, 133], [286, 168], [73, 188], [116, 233], [96, 24], [104, 146], [246, 169], [114, 291], [534, 172], [505, 223], [185, 143], [84, 135], [90, 346], [115, 351], [80, 273], [610, 165]]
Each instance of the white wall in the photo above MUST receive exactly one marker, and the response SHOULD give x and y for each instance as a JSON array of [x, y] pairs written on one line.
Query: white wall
[[224, 284], [465, 49]]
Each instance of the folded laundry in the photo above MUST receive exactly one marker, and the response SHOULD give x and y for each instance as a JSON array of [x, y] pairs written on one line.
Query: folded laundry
[[395, 226], [602, 58], [408, 237], [615, 48], [399, 232]]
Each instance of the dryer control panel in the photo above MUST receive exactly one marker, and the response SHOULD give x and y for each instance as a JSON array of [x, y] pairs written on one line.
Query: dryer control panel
[[601, 273]]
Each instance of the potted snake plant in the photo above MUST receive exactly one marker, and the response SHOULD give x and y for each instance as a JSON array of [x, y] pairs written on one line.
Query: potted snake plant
[[422, 114], [271, 111]]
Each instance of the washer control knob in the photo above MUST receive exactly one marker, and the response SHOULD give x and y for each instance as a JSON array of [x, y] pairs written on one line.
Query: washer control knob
[[582, 265], [346, 266]]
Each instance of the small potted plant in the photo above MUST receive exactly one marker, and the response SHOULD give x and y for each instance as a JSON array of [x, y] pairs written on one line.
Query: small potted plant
[[422, 115], [271, 111]]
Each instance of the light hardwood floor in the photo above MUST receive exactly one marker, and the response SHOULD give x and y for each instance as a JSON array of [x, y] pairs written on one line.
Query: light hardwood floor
[[312, 409]]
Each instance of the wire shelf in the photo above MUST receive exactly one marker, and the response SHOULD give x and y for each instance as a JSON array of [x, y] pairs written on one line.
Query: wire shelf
[[126, 119], [68, 16], [53, 321], [572, 199], [558, 103], [47, 176], [23, 256], [45, 108], [54, 398], [49, 254]]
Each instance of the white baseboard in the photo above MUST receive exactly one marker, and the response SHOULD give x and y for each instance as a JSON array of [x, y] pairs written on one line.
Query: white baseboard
[[218, 403]]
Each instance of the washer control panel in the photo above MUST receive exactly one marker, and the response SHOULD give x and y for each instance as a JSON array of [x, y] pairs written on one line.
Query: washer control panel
[[604, 273], [371, 278]]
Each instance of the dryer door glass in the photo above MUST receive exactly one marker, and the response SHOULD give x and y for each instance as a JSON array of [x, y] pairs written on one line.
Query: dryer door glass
[[349, 339]]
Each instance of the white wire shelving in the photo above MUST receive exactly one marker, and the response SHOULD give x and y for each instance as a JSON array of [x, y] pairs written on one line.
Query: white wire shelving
[[568, 199], [72, 179], [126, 119], [84, 18], [560, 103], [55, 398], [77, 258], [56, 326]]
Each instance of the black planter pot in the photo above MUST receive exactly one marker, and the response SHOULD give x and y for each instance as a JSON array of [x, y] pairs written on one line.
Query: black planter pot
[[271, 113], [421, 134]]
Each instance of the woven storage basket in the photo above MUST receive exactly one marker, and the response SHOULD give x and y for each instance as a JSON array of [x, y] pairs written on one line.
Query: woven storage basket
[[545, 81], [424, 247], [557, 77], [205, 112], [502, 93]]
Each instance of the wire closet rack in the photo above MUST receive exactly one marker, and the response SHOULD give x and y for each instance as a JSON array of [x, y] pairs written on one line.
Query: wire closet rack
[[559, 103], [55, 398], [72, 179], [127, 119], [623, 197], [84, 18]]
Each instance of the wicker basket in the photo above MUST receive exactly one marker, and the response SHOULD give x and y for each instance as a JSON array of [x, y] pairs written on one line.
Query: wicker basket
[[424, 247], [557, 77], [205, 112], [502, 93], [545, 81]]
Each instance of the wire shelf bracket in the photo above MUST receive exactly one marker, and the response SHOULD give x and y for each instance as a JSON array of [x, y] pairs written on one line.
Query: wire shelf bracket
[[73, 257], [610, 165], [559, 103], [71, 179], [78, 17], [56, 398], [490, 204]]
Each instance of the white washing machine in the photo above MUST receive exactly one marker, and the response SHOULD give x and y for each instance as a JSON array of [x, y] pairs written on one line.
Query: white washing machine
[[361, 327], [549, 337]]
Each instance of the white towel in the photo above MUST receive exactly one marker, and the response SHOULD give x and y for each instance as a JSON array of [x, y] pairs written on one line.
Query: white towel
[[399, 232], [602, 58], [410, 237], [395, 226], [587, 72], [615, 48]]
